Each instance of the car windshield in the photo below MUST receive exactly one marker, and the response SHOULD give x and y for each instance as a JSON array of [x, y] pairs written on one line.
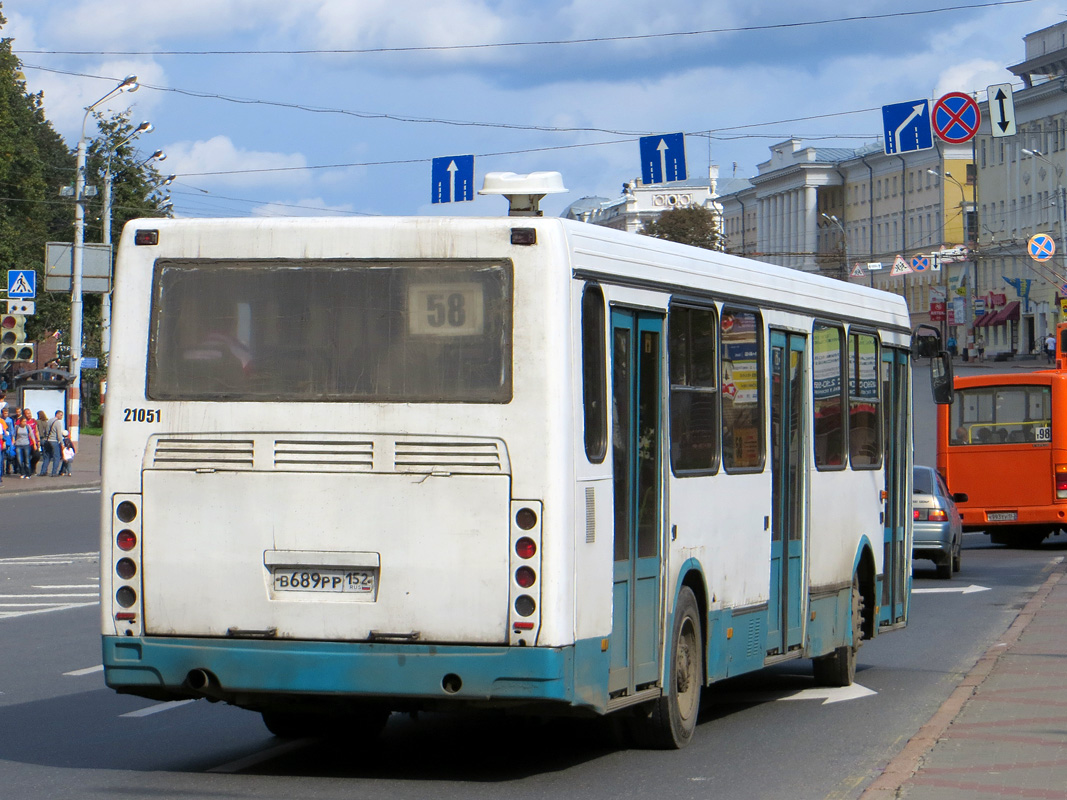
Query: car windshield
[[924, 481]]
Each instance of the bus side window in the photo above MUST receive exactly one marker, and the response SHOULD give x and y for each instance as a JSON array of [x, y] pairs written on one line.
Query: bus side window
[[594, 373]]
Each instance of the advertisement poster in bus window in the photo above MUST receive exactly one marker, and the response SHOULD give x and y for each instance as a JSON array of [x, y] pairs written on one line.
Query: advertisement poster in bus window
[[740, 375], [827, 362], [740, 388], [868, 372]]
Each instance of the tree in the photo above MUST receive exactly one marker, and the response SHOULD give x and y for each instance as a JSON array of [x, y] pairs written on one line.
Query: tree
[[693, 225], [34, 164]]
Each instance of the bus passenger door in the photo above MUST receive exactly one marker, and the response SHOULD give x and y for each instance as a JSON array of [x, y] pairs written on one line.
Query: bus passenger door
[[788, 492], [897, 562], [637, 375]]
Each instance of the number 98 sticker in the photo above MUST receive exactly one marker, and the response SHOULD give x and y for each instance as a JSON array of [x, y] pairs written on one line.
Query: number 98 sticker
[[446, 309]]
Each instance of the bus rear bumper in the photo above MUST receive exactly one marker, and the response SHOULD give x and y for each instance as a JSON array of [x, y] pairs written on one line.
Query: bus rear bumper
[[249, 672]]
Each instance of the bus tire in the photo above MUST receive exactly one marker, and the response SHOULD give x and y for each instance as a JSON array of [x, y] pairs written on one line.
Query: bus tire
[[365, 725], [839, 667], [668, 723]]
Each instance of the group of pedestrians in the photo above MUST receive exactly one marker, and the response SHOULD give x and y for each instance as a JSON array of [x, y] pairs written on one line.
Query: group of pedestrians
[[26, 441]]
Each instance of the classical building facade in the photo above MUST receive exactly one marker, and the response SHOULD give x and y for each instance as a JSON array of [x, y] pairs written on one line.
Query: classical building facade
[[1021, 192], [639, 204]]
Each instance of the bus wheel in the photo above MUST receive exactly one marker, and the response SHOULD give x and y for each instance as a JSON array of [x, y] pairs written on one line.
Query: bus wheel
[[364, 725], [669, 722], [839, 667]]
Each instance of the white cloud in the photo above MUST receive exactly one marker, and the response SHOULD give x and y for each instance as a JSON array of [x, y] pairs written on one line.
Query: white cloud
[[217, 161]]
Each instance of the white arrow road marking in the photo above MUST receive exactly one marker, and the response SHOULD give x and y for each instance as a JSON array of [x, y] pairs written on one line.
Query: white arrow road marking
[[827, 695], [951, 589], [832, 695]]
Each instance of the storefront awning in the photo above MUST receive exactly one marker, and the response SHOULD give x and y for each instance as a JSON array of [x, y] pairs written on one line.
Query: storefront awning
[[1009, 313], [982, 321]]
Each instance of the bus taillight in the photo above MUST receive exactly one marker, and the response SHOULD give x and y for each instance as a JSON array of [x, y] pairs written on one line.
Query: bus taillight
[[1061, 481]]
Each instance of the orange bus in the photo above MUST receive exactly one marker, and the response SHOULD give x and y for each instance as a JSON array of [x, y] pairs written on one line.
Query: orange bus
[[999, 444]]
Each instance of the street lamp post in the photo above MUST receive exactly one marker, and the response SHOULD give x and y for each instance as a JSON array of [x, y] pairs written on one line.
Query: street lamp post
[[128, 84], [844, 240]]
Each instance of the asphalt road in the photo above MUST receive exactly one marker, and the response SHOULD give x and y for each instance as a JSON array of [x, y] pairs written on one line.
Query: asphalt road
[[64, 735]]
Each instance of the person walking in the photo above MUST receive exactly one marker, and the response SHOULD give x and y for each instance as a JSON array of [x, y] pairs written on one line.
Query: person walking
[[1050, 347], [9, 464], [51, 432], [24, 443], [980, 346]]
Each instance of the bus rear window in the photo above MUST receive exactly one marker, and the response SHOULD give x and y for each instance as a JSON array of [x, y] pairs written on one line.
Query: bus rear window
[[379, 331], [1001, 414]]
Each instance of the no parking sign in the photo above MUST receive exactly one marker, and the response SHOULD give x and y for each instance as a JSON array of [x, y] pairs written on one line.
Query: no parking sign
[[956, 118]]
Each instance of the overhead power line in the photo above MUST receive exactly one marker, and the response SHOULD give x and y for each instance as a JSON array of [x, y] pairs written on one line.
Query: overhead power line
[[541, 43]]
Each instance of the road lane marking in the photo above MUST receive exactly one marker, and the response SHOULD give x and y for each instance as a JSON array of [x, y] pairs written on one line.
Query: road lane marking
[[259, 758], [69, 586], [144, 712], [77, 673], [48, 610]]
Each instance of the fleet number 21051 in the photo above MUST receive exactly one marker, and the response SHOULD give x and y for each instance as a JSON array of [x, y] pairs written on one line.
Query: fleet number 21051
[[142, 415]]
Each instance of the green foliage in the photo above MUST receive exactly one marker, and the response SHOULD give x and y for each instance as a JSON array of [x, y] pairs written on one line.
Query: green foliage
[[694, 225], [35, 164]]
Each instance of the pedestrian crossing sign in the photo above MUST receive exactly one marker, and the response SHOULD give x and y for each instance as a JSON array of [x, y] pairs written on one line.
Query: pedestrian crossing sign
[[21, 284]]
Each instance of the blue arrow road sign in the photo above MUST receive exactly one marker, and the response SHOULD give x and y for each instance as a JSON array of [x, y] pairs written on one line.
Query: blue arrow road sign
[[663, 158], [907, 127], [453, 179], [21, 284]]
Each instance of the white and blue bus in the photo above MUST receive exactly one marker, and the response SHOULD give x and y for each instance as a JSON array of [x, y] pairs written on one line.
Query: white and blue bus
[[360, 466]]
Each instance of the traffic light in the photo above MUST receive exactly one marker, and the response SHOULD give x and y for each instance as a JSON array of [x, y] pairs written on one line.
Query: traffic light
[[13, 344]]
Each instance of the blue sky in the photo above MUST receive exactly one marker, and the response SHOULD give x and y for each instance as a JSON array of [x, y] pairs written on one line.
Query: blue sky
[[340, 132]]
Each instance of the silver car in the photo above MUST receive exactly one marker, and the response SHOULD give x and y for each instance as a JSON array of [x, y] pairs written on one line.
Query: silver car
[[938, 532]]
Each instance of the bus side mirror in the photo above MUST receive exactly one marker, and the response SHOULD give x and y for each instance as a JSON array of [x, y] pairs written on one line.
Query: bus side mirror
[[925, 341], [941, 378], [959, 497]]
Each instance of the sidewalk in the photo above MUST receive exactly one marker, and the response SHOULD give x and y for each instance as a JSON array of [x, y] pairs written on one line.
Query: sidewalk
[[85, 472], [1003, 731]]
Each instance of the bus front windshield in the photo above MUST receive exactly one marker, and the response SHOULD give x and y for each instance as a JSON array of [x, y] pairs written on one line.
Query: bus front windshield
[[1001, 415], [346, 330]]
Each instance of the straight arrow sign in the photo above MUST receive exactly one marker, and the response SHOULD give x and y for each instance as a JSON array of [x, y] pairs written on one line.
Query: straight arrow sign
[[951, 590], [662, 158], [1001, 110], [827, 695]]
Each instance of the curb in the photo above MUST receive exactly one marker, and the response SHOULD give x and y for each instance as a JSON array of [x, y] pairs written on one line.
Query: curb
[[908, 762]]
